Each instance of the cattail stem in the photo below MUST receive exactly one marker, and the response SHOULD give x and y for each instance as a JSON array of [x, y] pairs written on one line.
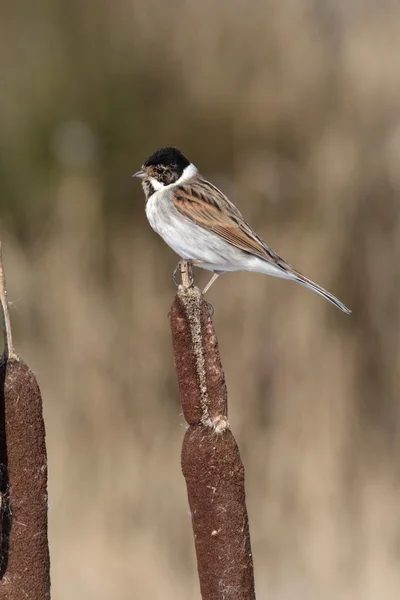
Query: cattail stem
[[186, 270], [211, 461], [8, 343]]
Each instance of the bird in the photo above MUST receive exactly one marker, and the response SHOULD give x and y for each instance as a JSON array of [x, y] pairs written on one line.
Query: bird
[[204, 227]]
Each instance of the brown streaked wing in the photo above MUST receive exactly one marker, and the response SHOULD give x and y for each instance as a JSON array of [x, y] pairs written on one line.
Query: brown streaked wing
[[208, 207]]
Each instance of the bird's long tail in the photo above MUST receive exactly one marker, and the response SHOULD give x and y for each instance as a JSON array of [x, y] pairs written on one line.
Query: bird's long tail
[[320, 290]]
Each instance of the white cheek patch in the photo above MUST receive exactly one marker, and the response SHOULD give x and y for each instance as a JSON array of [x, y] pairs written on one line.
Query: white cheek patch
[[157, 185]]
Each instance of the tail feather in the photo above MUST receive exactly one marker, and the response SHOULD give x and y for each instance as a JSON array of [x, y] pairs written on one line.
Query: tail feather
[[321, 291]]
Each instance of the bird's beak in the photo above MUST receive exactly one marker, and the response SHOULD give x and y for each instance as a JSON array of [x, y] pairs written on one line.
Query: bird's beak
[[139, 174]]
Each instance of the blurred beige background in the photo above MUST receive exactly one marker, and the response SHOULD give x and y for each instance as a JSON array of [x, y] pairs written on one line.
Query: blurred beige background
[[293, 109]]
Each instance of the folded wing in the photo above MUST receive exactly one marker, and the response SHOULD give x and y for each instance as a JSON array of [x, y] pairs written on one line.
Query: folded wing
[[206, 206]]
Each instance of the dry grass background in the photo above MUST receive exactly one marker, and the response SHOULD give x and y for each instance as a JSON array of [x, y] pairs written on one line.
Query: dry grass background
[[293, 108]]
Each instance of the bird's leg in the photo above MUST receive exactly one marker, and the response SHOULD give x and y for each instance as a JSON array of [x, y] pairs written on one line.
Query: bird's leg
[[209, 284]]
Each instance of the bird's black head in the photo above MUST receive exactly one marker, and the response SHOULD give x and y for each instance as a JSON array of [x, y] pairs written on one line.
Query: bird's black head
[[169, 158], [164, 167]]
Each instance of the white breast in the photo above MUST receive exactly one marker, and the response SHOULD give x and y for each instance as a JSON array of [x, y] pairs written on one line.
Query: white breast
[[165, 220], [151, 211]]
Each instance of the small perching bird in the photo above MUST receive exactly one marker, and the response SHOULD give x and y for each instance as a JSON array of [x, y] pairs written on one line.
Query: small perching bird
[[202, 226]]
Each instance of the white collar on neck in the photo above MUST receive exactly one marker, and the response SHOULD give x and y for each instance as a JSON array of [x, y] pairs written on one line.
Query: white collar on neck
[[188, 172]]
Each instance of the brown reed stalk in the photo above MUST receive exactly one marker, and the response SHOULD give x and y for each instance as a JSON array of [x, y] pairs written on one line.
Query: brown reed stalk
[[211, 462], [24, 552]]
